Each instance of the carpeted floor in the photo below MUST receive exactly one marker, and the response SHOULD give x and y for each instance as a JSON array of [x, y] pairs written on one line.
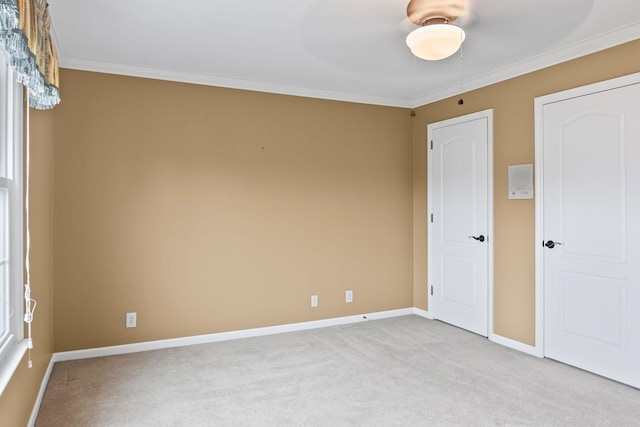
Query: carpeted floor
[[404, 371]]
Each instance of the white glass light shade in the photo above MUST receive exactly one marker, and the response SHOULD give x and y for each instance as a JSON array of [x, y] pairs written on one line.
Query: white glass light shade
[[435, 41]]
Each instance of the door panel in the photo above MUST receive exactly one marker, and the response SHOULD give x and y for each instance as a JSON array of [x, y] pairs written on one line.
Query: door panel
[[592, 183], [458, 198], [458, 182], [582, 294], [461, 276], [591, 188]]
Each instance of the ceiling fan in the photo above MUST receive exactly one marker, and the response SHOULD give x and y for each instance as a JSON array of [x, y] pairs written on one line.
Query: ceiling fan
[[437, 38]]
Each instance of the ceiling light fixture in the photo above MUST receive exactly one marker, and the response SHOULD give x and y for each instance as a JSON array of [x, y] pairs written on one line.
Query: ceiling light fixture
[[436, 38]]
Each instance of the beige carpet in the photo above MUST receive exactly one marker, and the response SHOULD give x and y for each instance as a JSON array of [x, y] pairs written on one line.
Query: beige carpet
[[405, 371]]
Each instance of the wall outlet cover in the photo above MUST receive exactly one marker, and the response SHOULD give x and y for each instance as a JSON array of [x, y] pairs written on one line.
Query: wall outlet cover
[[348, 296], [131, 320]]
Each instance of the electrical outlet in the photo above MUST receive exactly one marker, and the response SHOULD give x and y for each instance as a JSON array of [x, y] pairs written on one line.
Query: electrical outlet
[[131, 320], [314, 300], [348, 296]]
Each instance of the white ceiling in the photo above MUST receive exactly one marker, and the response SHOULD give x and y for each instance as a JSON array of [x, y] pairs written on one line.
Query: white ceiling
[[352, 50]]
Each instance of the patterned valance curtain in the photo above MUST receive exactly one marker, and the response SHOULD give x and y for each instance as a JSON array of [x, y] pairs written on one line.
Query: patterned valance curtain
[[24, 34]]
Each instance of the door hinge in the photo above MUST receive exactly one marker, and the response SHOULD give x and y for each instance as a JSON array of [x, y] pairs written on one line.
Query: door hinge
[[432, 218], [432, 144], [431, 289]]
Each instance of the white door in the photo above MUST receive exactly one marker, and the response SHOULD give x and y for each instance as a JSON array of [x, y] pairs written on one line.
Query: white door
[[459, 221], [591, 231]]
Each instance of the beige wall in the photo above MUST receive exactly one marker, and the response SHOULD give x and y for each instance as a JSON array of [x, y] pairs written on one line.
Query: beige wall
[[513, 105], [207, 209], [18, 398]]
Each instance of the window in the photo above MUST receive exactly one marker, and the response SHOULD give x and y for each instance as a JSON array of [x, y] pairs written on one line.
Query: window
[[12, 343]]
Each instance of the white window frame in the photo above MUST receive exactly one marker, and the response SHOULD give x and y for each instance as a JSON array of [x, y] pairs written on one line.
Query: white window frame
[[12, 344]]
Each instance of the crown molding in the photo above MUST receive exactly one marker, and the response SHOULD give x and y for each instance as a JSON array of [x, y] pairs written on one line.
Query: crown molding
[[575, 50], [226, 82], [584, 47]]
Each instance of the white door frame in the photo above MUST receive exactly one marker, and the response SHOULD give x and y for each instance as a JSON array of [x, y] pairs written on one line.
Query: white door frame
[[488, 114], [540, 102]]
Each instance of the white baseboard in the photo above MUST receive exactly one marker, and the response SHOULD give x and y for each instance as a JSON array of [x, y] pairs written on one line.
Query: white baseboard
[[43, 386], [225, 336], [498, 339], [422, 313], [257, 332], [516, 345]]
